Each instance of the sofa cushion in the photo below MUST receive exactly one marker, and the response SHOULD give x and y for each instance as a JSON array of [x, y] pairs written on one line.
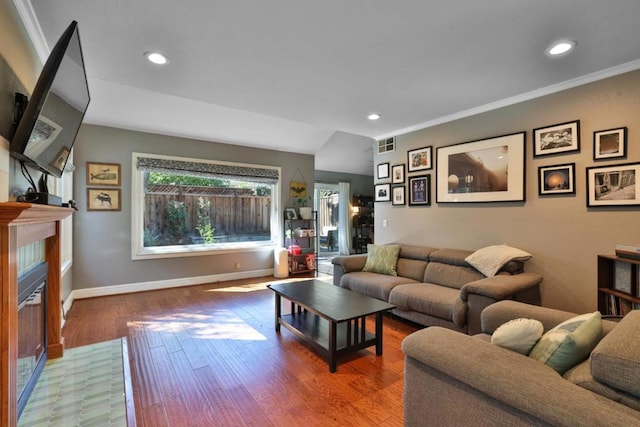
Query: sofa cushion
[[450, 256], [570, 342], [489, 260], [580, 375], [519, 335], [372, 284], [420, 253], [411, 268], [452, 276], [427, 298], [616, 359], [382, 259]]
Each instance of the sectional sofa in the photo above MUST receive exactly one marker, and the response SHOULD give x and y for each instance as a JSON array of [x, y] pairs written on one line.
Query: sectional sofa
[[453, 379], [435, 286]]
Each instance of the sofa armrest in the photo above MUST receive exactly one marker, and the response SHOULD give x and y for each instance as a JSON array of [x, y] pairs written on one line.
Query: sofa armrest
[[503, 311], [499, 375], [345, 264], [502, 286]]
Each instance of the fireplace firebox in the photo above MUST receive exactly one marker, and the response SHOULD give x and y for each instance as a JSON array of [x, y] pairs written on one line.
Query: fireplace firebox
[[32, 331]]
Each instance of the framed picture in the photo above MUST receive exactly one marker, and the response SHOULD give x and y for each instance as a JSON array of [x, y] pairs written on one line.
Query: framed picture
[[420, 190], [383, 170], [557, 179], [103, 199], [290, 213], [613, 185], [382, 192], [419, 159], [60, 160], [488, 170], [560, 138], [103, 174], [398, 195], [610, 143], [397, 174]]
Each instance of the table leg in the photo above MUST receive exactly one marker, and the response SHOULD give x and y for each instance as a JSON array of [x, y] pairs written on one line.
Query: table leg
[[278, 312], [379, 334], [333, 327]]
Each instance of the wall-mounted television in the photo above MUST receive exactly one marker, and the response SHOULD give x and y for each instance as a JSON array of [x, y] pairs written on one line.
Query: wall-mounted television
[[51, 119]]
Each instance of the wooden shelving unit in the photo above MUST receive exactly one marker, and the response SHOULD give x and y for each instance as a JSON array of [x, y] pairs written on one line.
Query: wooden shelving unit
[[618, 285]]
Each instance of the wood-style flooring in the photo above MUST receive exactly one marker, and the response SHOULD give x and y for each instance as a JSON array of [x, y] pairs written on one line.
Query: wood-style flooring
[[208, 355]]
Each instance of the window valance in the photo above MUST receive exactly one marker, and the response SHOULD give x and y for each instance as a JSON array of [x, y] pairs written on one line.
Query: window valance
[[208, 170]]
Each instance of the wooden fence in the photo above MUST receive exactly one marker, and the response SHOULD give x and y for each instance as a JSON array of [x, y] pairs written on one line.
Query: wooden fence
[[230, 214]]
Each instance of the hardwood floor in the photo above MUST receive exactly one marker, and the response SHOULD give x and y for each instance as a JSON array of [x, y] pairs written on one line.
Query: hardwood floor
[[209, 355]]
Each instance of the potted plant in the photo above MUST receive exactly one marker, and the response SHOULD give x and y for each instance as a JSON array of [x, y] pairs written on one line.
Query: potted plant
[[306, 212]]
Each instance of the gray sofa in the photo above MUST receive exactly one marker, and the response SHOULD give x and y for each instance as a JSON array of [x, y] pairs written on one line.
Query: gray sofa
[[453, 379], [437, 287]]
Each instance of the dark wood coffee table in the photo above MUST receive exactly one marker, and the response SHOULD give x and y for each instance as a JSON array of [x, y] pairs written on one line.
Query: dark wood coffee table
[[329, 318]]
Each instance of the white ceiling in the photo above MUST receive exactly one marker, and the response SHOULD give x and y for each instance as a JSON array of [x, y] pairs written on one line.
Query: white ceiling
[[302, 75]]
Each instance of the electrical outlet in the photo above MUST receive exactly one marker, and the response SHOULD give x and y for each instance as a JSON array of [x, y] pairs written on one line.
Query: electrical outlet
[[237, 266], [385, 224]]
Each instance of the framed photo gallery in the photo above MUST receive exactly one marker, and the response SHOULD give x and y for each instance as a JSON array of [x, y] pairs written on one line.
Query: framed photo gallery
[[493, 169]]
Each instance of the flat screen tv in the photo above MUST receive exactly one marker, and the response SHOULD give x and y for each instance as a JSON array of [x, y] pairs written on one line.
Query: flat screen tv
[[48, 127]]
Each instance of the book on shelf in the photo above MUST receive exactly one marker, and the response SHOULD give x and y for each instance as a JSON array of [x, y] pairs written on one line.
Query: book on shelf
[[622, 281], [628, 251]]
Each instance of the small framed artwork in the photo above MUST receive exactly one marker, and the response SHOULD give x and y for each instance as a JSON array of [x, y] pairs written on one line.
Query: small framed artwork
[[61, 159], [610, 143], [488, 170], [103, 199], [420, 190], [103, 174], [398, 195], [382, 192], [419, 159], [290, 213], [613, 185], [383, 171], [560, 138], [557, 179], [397, 174]]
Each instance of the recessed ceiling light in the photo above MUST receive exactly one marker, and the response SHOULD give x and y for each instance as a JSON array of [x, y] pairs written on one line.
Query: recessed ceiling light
[[156, 57], [561, 47], [373, 116]]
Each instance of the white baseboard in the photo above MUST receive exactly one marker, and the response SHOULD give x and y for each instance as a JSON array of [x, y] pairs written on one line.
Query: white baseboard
[[160, 284]]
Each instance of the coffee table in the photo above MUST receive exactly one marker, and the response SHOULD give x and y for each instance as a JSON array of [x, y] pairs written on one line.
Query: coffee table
[[329, 318]]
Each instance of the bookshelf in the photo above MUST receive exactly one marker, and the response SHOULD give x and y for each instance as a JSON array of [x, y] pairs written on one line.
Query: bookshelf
[[618, 285]]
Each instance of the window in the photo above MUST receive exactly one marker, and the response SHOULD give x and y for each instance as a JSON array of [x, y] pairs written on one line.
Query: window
[[186, 207]]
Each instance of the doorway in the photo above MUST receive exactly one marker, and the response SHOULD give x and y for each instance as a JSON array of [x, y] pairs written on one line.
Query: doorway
[[326, 202]]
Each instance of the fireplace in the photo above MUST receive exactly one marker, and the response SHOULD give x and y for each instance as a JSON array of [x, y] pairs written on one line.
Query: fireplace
[[32, 331]]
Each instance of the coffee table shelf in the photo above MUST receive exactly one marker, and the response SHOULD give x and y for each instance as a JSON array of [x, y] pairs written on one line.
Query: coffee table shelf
[[315, 330]]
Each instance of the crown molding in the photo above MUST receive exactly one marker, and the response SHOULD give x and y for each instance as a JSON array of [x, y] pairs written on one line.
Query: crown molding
[[548, 90], [32, 25]]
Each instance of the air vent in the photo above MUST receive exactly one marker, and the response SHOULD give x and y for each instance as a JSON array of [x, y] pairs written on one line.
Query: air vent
[[387, 145]]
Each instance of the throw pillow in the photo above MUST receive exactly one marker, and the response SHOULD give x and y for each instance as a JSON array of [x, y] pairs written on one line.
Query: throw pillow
[[382, 259], [570, 342], [491, 259], [519, 335]]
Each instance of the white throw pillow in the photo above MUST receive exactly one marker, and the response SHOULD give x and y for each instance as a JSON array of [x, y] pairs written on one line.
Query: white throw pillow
[[491, 259], [518, 335]]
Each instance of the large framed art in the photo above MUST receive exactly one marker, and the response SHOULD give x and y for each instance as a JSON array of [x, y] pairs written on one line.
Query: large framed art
[[488, 170], [613, 185]]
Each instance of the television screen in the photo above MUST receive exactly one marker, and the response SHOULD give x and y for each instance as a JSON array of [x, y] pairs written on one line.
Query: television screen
[[48, 128]]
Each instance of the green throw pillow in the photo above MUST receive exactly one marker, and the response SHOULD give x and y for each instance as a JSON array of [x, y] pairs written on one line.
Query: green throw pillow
[[382, 259], [570, 342]]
